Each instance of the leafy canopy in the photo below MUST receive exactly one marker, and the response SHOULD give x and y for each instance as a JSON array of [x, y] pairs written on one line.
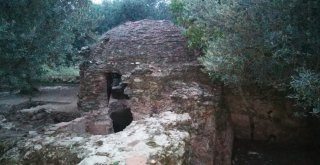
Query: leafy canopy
[[269, 43], [37, 36], [34, 33]]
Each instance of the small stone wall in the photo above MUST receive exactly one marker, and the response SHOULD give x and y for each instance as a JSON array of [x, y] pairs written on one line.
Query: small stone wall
[[93, 89]]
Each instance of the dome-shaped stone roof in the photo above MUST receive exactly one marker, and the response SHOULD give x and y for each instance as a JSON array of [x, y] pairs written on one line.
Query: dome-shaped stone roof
[[144, 41]]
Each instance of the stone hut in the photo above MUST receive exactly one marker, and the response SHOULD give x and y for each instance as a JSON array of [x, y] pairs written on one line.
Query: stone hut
[[144, 68], [126, 48], [146, 101]]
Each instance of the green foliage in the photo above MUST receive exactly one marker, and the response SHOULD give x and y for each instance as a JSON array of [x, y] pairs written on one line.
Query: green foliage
[[114, 13], [196, 37], [60, 74], [306, 86], [115, 163], [49, 33], [257, 42], [199, 34], [60, 71], [177, 8], [34, 33]]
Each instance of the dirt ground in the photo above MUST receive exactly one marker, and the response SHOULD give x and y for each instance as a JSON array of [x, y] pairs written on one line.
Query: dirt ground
[[60, 97], [22, 115]]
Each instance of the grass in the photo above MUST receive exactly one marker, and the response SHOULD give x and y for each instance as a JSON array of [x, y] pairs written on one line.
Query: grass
[[59, 73]]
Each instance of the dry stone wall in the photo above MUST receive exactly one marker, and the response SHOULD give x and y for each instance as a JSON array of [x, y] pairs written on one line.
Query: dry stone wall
[[160, 74]]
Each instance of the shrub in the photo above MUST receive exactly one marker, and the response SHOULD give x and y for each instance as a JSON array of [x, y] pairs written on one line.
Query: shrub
[[306, 87]]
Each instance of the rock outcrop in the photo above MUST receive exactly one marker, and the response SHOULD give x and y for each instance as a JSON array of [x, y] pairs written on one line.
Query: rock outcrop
[[267, 115], [161, 139]]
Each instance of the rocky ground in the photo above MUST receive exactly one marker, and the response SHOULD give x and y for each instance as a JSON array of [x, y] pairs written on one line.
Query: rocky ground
[[22, 116], [49, 129]]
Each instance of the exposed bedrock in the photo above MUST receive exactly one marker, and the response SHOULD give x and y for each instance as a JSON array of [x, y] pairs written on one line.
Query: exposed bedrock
[[267, 115]]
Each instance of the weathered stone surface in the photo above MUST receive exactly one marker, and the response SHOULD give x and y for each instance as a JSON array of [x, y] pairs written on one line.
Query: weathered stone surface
[[161, 139], [156, 138], [160, 74], [123, 49], [96, 123], [266, 115]]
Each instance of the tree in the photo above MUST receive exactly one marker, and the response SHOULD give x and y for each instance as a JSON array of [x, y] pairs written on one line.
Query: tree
[[117, 12], [34, 33], [268, 43]]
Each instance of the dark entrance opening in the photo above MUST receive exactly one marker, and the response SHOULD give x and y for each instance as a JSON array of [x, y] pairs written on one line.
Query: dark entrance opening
[[115, 87], [119, 112], [121, 118]]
